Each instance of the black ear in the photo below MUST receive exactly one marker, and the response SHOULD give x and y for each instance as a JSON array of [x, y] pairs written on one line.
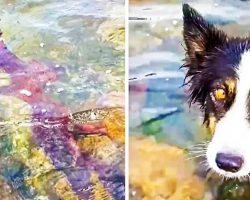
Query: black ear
[[200, 37]]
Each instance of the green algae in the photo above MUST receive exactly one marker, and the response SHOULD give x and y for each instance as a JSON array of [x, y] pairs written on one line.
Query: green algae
[[66, 41], [71, 40]]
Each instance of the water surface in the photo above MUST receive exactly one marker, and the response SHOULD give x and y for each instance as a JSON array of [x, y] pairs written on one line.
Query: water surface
[[69, 52]]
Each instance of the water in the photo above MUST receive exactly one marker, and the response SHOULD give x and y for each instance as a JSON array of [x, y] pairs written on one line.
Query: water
[[156, 46], [74, 56], [65, 34], [158, 103]]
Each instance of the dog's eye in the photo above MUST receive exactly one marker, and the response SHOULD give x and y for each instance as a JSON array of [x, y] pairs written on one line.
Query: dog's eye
[[220, 94]]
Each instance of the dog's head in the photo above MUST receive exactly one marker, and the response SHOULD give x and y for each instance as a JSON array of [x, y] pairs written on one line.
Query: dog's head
[[218, 74]]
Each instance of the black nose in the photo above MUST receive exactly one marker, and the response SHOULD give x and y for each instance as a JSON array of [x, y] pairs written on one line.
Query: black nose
[[229, 162]]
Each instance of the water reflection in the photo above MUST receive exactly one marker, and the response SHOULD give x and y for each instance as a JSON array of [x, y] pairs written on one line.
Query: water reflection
[[54, 61], [159, 108]]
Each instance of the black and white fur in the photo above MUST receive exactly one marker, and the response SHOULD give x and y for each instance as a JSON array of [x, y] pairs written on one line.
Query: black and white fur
[[211, 58]]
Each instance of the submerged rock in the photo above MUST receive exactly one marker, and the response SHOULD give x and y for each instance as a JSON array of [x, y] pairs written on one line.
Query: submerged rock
[[160, 171], [46, 159], [233, 190], [142, 41], [113, 31]]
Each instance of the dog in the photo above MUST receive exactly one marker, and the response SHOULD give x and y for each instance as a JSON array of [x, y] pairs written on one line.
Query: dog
[[218, 79]]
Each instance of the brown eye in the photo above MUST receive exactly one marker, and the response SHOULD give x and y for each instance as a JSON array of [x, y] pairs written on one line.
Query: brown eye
[[220, 94]]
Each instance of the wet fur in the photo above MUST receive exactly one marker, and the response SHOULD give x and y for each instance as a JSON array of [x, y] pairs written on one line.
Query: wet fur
[[214, 60], [210, 57]]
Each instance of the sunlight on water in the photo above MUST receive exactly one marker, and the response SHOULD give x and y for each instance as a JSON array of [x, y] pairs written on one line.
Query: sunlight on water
[[67, 35], [162, 126], [74, 61]]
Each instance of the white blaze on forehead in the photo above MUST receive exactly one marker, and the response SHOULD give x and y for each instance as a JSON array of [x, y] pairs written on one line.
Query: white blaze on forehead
[[232, 132], [243, 84]]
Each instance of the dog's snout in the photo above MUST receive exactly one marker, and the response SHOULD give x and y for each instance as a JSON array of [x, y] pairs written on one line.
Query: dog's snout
[[229, 162]]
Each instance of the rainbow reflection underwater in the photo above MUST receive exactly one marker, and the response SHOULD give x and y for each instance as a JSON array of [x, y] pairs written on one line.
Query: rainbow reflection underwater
[[40, 155]]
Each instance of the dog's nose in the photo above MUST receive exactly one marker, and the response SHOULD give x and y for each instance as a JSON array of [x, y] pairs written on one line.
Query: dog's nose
[[229, 162]]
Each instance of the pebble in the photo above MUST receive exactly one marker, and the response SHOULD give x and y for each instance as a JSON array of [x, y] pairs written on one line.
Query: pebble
[[26, 92], [42, 44]]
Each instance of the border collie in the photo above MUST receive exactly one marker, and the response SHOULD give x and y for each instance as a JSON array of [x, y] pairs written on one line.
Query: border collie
[[218, 75]]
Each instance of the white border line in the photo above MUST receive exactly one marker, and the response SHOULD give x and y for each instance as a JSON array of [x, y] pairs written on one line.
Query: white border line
[[126, 100]]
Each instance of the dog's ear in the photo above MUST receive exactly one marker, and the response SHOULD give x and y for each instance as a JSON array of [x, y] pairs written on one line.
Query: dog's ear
[[200, 37]]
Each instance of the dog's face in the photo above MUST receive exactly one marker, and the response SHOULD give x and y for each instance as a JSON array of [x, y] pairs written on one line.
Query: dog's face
[[218, 73]]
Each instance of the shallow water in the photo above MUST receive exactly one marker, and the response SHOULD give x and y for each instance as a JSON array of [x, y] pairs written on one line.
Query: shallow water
[[66, 34], [158, 102], [156, 53], [73, 53]]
